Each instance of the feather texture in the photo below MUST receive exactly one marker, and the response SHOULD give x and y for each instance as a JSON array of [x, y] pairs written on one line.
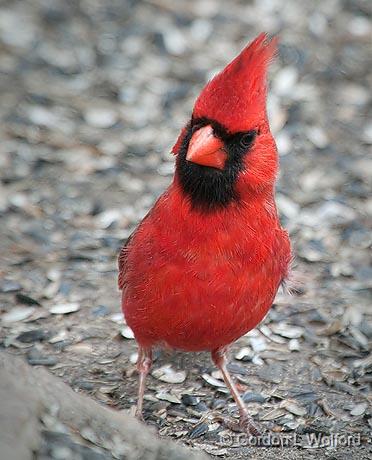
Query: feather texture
[[198, 277]]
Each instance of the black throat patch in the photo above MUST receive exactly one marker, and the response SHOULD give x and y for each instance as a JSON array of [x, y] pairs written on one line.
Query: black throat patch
[[210, 188]]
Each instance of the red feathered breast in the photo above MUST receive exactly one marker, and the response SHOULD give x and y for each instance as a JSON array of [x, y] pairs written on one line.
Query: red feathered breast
[[198, 282]]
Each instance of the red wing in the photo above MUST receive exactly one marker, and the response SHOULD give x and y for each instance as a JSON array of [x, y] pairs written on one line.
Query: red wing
[[123, 254], [122, 262]]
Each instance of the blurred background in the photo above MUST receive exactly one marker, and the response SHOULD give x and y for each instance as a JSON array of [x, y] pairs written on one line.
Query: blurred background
[[93, 95]]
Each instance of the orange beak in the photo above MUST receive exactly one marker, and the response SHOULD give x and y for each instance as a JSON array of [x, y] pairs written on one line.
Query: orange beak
[[205, 149]]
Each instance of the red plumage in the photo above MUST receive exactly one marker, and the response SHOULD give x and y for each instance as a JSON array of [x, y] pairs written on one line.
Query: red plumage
[[198, 282], [196, 278]]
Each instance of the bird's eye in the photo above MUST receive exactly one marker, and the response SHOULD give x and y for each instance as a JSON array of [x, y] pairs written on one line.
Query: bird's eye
[[247, 139]]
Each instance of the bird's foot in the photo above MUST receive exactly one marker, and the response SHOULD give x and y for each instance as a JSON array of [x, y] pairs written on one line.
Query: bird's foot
[[140, 418], [245, 424], [137, 413]]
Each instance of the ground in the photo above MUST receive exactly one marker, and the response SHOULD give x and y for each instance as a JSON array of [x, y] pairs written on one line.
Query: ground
[[93, 96]]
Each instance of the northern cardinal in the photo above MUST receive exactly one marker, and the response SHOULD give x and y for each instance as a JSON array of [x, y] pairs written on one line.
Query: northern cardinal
[[203, 267]]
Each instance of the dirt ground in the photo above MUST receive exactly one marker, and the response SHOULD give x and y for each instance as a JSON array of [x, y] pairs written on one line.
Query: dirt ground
[[93, 94]]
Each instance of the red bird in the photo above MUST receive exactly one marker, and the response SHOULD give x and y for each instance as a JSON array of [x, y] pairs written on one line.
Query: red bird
[[204, 265]]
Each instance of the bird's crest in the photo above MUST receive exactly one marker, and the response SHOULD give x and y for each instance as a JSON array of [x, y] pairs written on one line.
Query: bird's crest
[[236, 97]]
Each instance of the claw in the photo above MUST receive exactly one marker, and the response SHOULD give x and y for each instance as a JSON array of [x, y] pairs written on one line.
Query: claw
[[243, 425], [247, 425]]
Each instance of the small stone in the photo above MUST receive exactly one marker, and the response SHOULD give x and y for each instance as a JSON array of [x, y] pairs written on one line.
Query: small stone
[[164, 396], [294, 408], [133, 358], [249, 397], [59, 337], [101, 117], [100, 311], [217, 374], [318, 137], [166, 169], [88, 433], [345, 388], [272, 373], [59, 452], [257, 361], [287, 331], [64, 308], [83, 348], [272, 414], [359, 337], [9, 286], [277, 114], [244, 354], [17, 314], [313, 251], [169, 375], [360, 26], [213, 381], [200, 30], [332, 328], [108, 389], [294, 345], [343, 268], [359, 409], [33, 336], [287, 206], [127, 332], [205, 8], [111, 147], [318, 23], [285, 80], [291, 424], [313, 409], [216, 452], [199, 430], [284, 143], [334, 213], [367, 133], [258, 344], [117, 318], [218, 403], [312, 180], [106, 218], [84, 385], [189, 400], [201, 407], [42, 116], [174, 41], [34, 358], [25, 299]]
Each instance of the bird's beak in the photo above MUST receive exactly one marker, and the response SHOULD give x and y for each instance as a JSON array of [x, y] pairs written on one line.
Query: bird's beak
[[206, 149]]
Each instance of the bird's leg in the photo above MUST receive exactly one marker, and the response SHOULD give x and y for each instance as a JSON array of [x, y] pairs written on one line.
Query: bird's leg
[[246, 423], [144, 363]]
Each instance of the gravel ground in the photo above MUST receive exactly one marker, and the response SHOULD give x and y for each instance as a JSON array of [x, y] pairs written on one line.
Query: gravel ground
[[93, 94]]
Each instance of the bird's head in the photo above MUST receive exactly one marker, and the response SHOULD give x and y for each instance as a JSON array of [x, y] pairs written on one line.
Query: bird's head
[[227, 149]]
